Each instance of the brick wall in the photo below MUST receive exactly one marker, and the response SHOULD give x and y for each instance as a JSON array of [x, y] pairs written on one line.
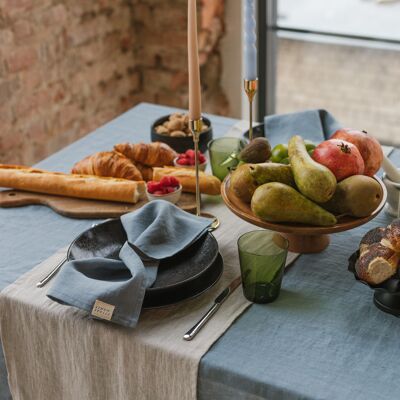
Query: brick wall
[[161, 52], [66, 67], [358, 85]]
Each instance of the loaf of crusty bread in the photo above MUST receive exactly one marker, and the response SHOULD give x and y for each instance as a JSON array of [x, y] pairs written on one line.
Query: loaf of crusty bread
[[209, 184], [379, 254], [71, 185], [392, 235], [375, 235], [377, 264]]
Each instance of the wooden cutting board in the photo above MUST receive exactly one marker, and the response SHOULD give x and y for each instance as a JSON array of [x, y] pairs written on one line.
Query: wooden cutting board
[[81, 208]]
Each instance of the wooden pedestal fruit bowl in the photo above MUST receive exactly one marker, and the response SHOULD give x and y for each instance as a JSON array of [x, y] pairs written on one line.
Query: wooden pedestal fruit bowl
[[302, 238]]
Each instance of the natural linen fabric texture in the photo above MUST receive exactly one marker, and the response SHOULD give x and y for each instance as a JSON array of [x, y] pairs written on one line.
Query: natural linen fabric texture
[[61, 354], [322, 313], [314, 125], [156, 231], [32, 234]]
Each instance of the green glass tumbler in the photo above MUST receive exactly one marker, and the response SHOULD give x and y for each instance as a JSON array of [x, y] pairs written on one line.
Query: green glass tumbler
[[220, 151], [262, 256]]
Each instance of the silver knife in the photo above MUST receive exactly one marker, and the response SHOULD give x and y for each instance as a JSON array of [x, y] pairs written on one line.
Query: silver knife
[[190, 334]]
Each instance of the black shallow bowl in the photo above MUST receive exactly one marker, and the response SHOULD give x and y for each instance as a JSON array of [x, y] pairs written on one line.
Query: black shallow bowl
[[182, 144], [187, 274], [258, 131], [386, 294]]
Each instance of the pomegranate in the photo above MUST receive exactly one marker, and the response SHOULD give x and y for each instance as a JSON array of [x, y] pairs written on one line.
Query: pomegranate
[[341, 157], [368, 146]]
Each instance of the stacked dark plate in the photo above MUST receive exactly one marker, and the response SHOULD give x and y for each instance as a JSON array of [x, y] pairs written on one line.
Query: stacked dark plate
[[187, 274]]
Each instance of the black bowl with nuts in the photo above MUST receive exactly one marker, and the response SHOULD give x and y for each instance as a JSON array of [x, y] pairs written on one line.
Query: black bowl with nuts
[[174, 130]]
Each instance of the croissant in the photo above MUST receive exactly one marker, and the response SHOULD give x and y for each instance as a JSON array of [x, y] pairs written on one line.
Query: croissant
[[154, 154], [108, 164], [147, 172]]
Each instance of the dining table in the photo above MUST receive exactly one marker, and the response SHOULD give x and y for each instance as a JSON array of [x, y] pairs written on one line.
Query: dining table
[[323, 338]]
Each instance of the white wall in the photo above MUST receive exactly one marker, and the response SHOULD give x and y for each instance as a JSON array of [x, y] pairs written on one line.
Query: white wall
[[231, 46]]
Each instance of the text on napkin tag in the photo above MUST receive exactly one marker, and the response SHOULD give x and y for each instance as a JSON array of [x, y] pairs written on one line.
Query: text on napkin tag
[[103, 310]]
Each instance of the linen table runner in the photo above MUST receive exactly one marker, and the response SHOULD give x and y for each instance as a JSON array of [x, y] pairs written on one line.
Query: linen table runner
[[56, 352]]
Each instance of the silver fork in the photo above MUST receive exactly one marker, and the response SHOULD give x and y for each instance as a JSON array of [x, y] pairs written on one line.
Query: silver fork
[[54, 271]]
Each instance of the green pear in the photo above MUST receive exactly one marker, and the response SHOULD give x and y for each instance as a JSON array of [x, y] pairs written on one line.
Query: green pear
[[313, 180], [277, 202], [243, 183], [272, 172], [357, 196]]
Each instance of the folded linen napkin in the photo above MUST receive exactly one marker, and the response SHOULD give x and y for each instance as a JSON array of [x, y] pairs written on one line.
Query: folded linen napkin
[[156, 231], [314, 125]]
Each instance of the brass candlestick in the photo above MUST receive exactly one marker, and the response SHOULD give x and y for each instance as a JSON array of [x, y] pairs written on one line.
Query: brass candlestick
[[195, 127], [250, 87]]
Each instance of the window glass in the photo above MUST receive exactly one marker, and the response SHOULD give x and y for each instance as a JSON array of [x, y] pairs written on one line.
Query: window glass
[[356, 80], [367, 18]]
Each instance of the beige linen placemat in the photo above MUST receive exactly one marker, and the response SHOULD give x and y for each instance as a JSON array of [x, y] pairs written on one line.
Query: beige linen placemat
[[56, 352]]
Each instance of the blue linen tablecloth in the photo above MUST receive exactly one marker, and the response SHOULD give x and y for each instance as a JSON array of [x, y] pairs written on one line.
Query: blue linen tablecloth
[[322, 339]]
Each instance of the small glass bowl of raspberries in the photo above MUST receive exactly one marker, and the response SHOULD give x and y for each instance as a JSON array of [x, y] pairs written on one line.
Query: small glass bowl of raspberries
[[186, 160], [168, 188]]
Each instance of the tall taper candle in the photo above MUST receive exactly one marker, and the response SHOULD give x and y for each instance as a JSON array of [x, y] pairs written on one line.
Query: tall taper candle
[[250, 40], [194, 69]]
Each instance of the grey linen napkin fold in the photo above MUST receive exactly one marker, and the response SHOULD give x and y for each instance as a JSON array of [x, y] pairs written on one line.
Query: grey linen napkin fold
[[314, 125], [156, 231]]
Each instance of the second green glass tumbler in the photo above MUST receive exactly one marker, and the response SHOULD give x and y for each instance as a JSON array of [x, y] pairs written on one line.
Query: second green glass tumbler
[[262, 256], [220, 151]]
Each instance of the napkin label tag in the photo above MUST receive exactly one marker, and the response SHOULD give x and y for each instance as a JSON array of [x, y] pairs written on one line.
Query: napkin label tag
[[103, 310]]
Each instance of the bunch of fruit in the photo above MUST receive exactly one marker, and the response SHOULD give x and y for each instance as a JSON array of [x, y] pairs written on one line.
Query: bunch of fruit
[[314, 184], [166, 185], [187, 158], [280, 153]]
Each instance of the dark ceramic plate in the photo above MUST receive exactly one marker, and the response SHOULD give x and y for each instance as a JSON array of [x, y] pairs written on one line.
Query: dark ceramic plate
[[185, 275], [386, 294], [182, 144]]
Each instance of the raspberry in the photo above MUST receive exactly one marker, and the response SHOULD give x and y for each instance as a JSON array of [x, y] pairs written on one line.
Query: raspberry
[[153, 186], [170, 189], [158, 192], [173, 182], [202, 159], [183, 161], [165, 181], [190, 153]]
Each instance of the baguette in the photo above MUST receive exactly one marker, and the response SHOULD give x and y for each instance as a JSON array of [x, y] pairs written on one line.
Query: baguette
[[209, 184], [71, 185]]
